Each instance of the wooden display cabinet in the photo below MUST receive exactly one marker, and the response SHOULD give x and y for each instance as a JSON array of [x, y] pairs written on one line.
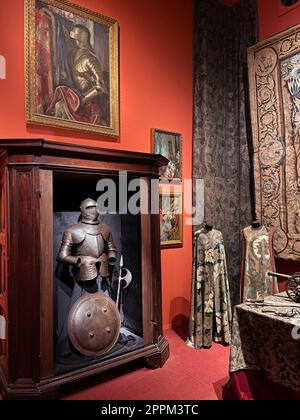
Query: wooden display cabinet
[[27, 190]]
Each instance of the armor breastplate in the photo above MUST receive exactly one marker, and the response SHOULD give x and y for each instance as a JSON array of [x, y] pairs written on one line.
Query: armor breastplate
[[84, 246], [86, 73], [92, 246]]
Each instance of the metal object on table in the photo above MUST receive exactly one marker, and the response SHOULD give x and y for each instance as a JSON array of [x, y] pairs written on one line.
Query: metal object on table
[[288, 313], [94, 324], [292, 285], [273, 304], [281, 309]]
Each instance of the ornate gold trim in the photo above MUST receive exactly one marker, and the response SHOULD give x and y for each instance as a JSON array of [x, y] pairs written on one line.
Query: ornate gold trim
[[174, 243]]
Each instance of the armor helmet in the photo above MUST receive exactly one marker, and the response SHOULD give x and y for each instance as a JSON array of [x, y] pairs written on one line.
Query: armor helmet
[[81, 35], [89, 211]]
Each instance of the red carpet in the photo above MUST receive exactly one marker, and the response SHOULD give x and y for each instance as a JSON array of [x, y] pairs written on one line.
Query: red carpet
[[187, 375]]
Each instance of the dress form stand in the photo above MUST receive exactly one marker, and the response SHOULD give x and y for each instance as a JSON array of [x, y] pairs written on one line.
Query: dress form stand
[[257, 259], [207, 227], [256, 224], [210, 310]]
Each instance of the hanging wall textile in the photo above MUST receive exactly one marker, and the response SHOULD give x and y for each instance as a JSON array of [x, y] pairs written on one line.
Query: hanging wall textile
[[210, 314], [221, 139], [258, 259], [275, 98]]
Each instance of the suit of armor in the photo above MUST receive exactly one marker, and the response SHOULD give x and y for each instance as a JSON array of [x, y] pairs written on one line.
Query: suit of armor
[[85, 65], [93, 320], [88, 245]]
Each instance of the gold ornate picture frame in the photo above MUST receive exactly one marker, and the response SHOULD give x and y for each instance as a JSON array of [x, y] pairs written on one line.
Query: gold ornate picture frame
[[72, 67], [274, 76], [171, 218]]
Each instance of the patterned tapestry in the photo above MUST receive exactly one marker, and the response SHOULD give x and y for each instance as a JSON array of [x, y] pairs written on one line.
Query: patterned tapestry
[[275, 104], [222, 128], [263, 341]]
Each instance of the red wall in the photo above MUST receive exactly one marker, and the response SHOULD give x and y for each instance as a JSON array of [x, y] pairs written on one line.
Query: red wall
[[155, 91], [273, 18]]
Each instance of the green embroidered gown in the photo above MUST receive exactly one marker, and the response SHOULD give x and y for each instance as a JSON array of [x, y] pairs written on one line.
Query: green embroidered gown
[[210, 315]]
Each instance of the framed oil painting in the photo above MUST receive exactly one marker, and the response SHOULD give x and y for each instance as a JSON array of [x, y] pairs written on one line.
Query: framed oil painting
[[72, 67], [170, 219], [274, 75], [169, 145]]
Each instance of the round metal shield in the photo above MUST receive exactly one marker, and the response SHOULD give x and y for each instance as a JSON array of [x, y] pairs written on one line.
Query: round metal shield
[[94, 324]]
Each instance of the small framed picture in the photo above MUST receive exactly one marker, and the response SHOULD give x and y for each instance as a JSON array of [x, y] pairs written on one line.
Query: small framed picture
[[170, 219], [169, 145]]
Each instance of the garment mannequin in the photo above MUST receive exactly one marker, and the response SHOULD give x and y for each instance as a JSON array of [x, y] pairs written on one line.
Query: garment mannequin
[[210, 310], [256, 224], [257, 259], [207, 227]]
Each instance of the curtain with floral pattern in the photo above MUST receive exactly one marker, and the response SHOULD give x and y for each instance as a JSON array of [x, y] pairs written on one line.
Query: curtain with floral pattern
[[222, 128]]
